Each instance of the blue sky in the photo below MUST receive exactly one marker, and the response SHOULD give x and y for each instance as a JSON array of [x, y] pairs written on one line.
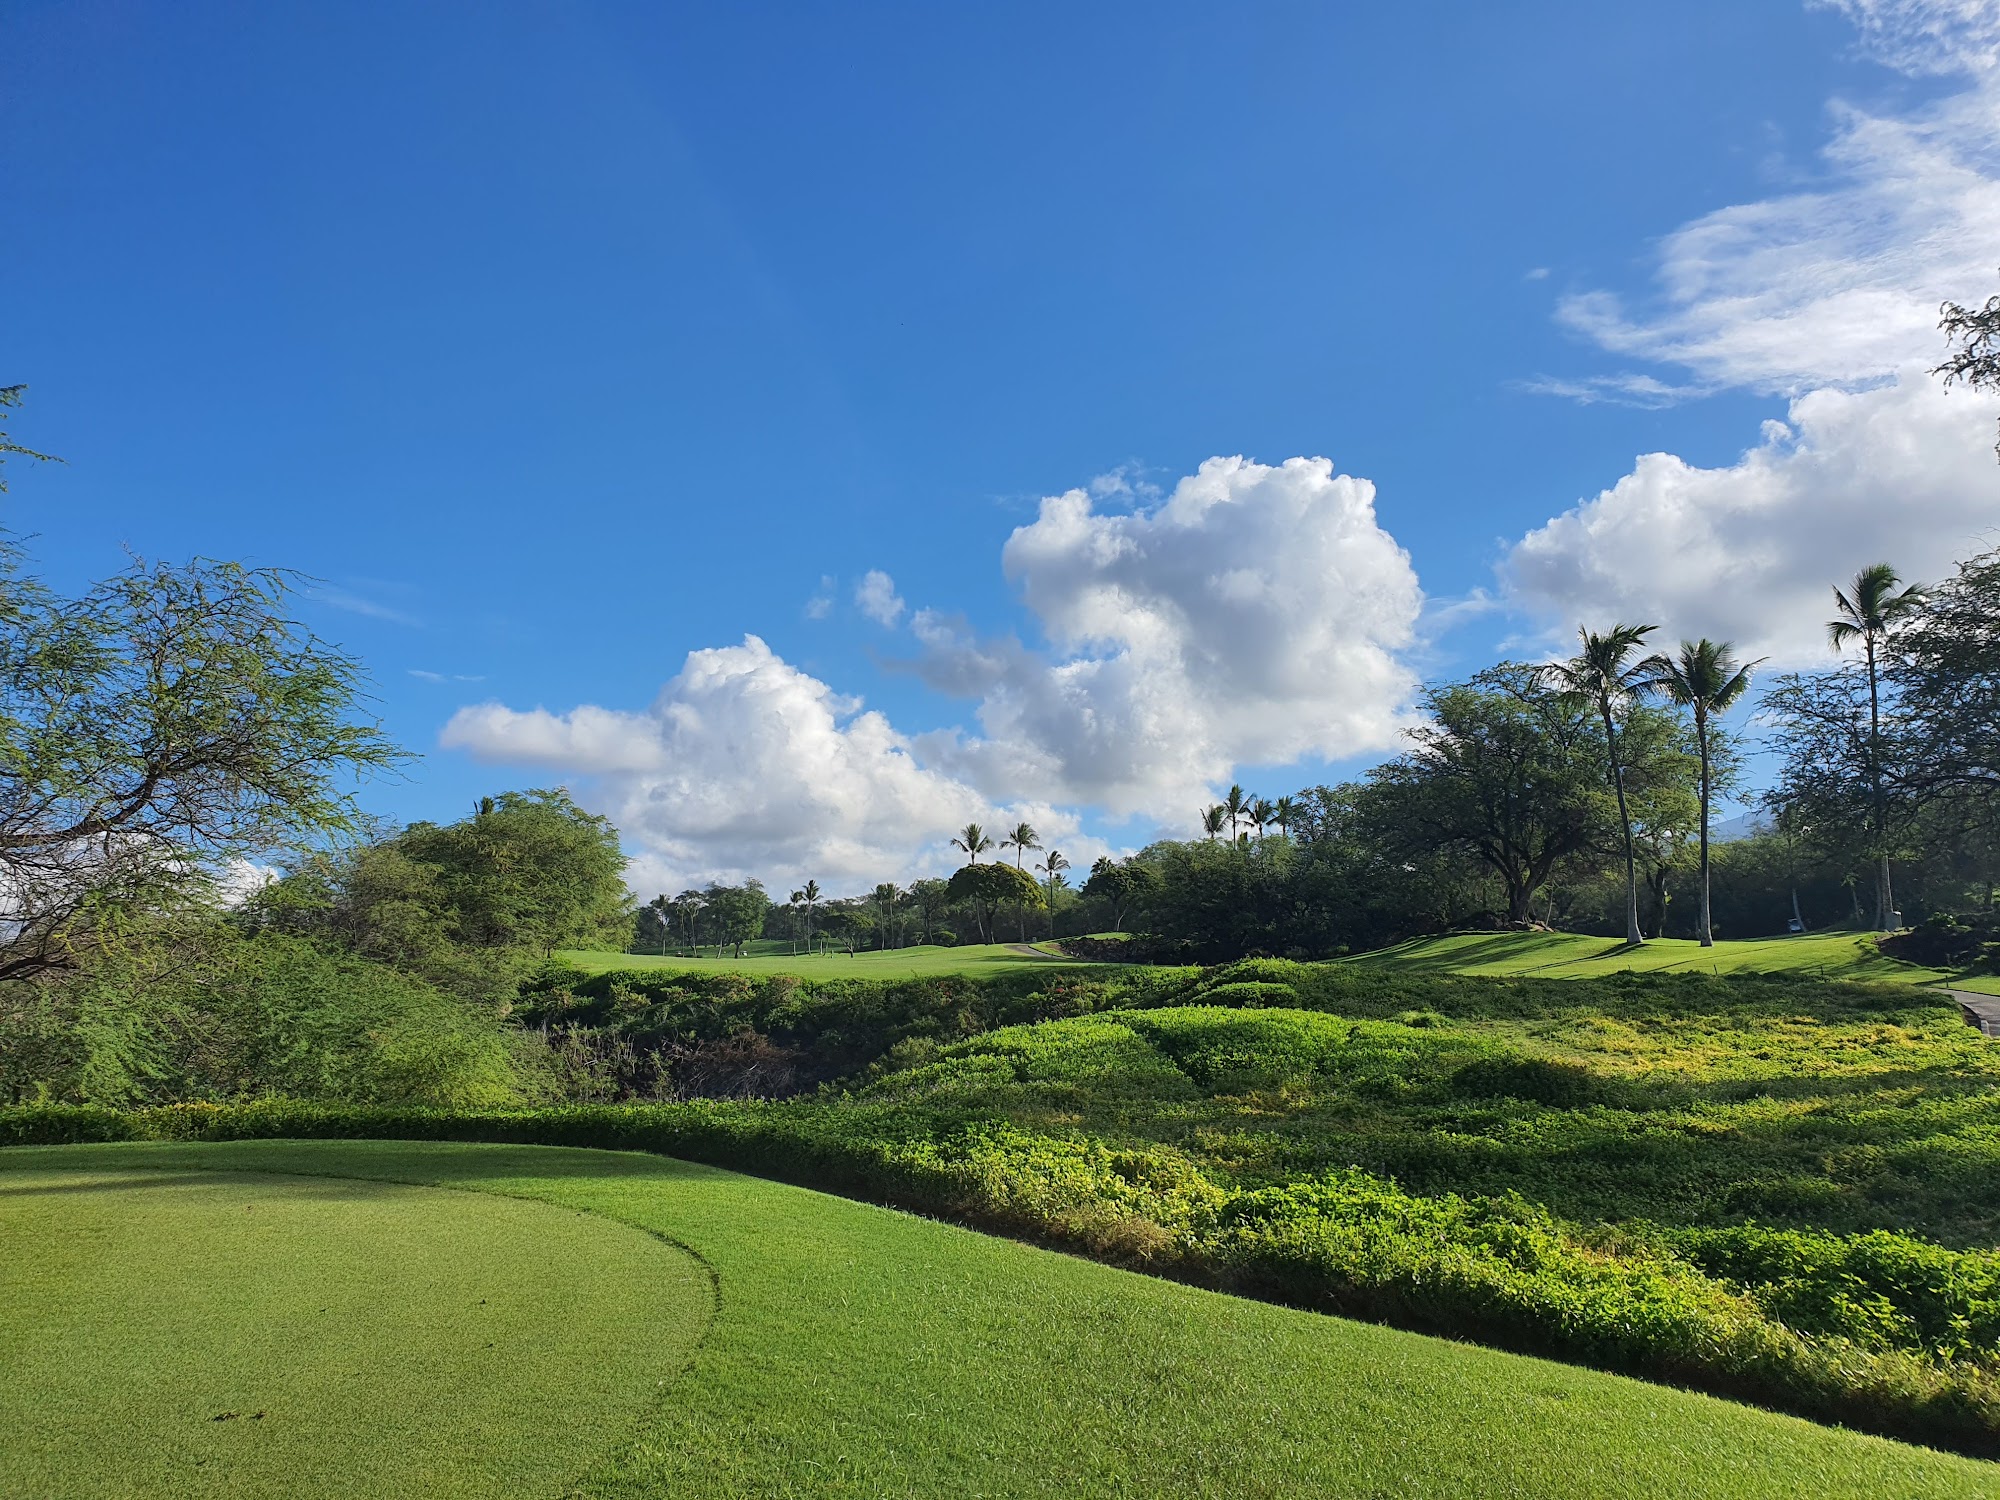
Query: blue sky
[[561, 342]]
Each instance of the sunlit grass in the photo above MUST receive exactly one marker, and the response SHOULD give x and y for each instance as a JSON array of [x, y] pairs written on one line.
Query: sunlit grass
[[858, 1352]]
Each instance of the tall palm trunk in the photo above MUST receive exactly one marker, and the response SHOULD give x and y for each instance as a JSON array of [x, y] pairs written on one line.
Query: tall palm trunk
[[1701, 735], [1632, 933], [1885, 897]]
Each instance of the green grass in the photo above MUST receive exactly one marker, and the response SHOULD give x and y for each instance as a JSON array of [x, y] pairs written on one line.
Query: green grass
[[212, 1333], [1561, 955], [853, 1352], [973, 959]]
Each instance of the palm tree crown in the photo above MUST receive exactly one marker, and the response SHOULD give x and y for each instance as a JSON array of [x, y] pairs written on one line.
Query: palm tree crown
[[1236, 807], [1212, 819], [973, 840], [1871, 608], [1021, 840]]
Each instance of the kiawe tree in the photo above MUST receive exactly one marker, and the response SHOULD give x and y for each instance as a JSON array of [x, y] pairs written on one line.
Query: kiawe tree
[[1604, 676], [154, 731], [985, 888], [1705, 678], [1871, 612]]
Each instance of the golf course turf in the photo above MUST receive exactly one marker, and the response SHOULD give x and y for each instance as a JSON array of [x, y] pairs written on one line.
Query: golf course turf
[[852, 1351]]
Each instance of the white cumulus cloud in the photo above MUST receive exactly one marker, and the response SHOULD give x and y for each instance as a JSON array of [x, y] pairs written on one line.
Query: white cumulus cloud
[[1749, 551], [746, 766], [876, 597], [1254, 617]]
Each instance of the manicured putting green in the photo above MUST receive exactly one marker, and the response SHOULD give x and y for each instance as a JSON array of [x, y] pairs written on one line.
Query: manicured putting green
[[857, 1352], [230, 1334]]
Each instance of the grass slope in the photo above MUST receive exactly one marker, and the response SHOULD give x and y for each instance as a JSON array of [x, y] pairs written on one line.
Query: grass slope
[[857, 1352], [197, 1333], [1562, 955], [974, 959]]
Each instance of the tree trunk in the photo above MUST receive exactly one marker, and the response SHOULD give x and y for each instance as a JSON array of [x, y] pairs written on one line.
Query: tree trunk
[[1633, 936], [1707, 932], [1885, 904]]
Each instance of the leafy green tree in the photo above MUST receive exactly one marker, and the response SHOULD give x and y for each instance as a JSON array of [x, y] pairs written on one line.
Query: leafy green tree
[[985, 888], [1604, 676], [930, 899], [1946, 678], [167, 723], [1504, 770], [1705, 678], [1119, 887], [528, 870], [1870, 614], [738, 913]]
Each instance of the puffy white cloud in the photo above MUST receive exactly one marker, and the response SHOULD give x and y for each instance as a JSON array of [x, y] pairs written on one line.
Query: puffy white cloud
[[1830, 297], [1749, 551], [744, 765], [1253, 617], [1836, 286], [876, 597]]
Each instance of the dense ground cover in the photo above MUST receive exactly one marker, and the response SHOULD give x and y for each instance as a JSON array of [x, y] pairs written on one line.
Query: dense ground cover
[[859, 1352], [766, 958], [1565, 955], [204, 1333]]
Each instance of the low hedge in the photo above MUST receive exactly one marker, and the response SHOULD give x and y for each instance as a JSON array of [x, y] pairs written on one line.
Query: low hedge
[[1746, 1313]]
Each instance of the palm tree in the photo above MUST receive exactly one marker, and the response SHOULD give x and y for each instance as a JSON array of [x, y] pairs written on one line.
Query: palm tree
[[1706, 678], [973, 840], [1260, 815], [810, 899], [1284, 812], [1599, 676], [1236, 806], [1211, 820], [1052, 869], [885, 897], [1021, 840], [798, 897], [1870, 614]]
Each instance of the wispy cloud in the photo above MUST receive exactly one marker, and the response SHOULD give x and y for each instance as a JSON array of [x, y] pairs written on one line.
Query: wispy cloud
[[424, 676], [356, 604], [1628, 389], [821, 604]]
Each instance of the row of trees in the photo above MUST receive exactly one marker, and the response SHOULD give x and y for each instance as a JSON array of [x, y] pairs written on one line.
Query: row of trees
[[1579, 792]]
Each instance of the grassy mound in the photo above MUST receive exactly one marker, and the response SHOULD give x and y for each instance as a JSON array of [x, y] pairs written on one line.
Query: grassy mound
[[865, 1353], [222, 1334], [1564, 955]]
